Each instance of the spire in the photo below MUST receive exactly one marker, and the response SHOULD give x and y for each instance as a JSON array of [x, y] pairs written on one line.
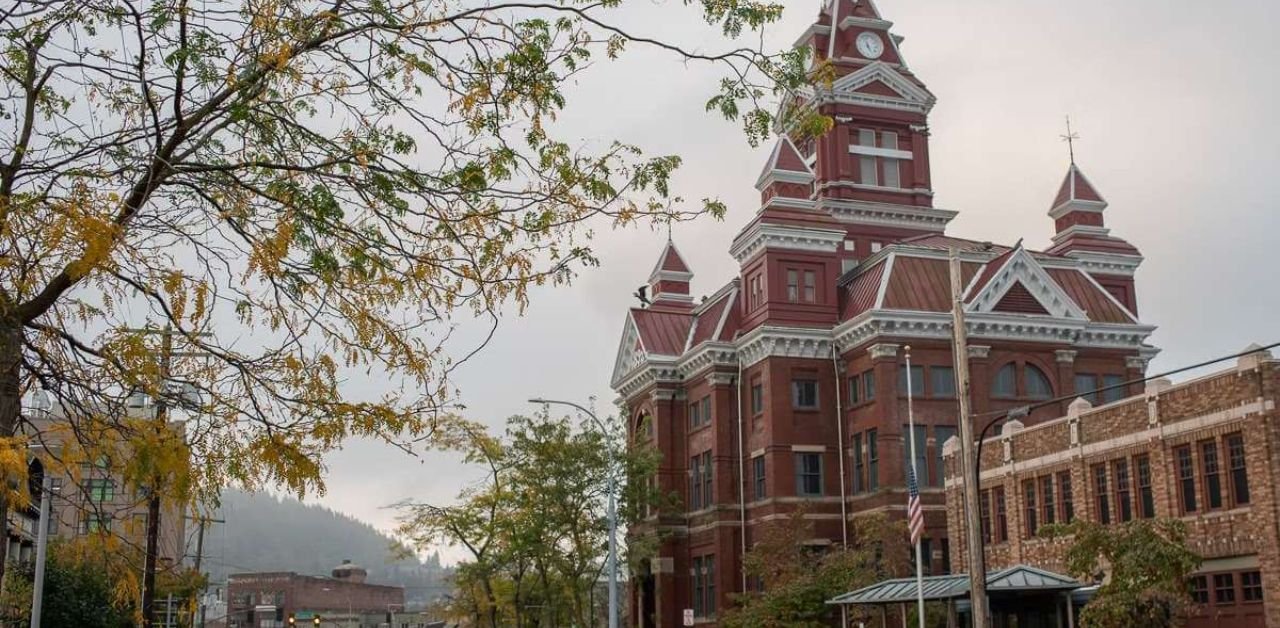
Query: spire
[[1077, 194], [785, 173], [669, 281]]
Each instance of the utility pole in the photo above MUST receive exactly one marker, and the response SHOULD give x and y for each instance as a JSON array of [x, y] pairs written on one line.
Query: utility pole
[[202, 522], [969, 466]]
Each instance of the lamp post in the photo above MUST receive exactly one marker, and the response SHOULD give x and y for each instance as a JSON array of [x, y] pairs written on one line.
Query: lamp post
[[613, 514], [47, 487]]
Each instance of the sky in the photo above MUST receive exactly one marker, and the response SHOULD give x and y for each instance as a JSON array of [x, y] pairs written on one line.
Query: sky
[[1174, 102]]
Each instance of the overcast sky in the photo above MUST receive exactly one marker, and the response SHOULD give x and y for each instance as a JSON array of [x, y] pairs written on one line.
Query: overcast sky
[[1175, 102]]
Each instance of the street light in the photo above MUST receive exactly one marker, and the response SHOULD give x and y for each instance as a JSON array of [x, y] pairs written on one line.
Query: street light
[[613, 513], [47, 487]]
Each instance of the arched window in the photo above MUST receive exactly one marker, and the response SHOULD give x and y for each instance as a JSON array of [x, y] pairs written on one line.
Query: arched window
[[1005, 383], [1038, 386], [644, 428]]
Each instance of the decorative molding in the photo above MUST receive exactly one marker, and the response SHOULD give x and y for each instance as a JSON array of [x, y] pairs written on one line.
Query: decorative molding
[[1022, 268], [979, 352], [630, 351], [1065, 356], [770, 236], [1077, 205], [787, 342], [813, 449], [876, 151], [786, 202], [884, 214], [1106, 263], [708, 354], [672, 296], [666, 394], [914, 324], [911, 97], [865, 22], [1136, 362], [1081, 230], [721, 379], [883, 350]]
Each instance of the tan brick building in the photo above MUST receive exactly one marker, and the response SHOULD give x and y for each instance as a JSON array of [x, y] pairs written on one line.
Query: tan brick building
[[1204, 451]]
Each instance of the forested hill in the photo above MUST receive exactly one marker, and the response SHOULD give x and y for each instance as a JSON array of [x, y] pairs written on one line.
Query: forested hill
[[268, 533]]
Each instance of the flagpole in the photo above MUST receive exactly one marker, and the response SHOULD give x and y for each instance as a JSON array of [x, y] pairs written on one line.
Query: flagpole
[[911, 437]]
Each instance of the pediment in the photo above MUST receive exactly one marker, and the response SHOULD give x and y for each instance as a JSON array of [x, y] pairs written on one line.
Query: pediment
[[630, 351], [1022, 286], [880, 80]]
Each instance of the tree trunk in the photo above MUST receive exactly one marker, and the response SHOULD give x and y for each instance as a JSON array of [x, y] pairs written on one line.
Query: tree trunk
[[10, 409]]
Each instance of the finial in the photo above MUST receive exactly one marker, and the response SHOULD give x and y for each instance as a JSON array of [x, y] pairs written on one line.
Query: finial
[[1070, 138], [668, 229]]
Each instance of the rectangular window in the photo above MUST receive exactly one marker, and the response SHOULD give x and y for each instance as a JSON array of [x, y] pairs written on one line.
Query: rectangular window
[[1224, 589], [1124, 506], [1251, 586], [757, 398], [1068, 499], [101, 490], [694, 419], [793, 285], [867, 163], [873, 461], [757, 472], [1146, 500], [1048, 506], [1087, 386], [810, 287], [1006, 382], [695, 483], [709, 585], [1101, 503], [1186, 478], [1112, 388], [876, 246], [859, 466], [1001, 530], [695, 574], [869, 385], [1212, 474], [941, 434], [804, 394], [93, 522], [926, 556], [917, 381], [1200, 589], [855, 390], [942, 381], [922, 471], [946, 556], [1239, 476], [984, 514], [809, 474], [707, 495], [1029, 507], [755, 291]]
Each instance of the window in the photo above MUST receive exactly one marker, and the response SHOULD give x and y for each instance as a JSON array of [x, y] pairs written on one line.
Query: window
[[707, 496], [1239, 476], [942, 381], [809, 474], [755, 291], [1186, 478], [869, 385], [1037, 383], [695, 410], [922, 471], [93, 522], [1124, 507], [1029, 506], [1048, 507], [757, 473], [876, 247], [793, 285], [946, 556], [1101, 505], [700, 481], [703, 572], [757, 398], [1251, 586], [941, 434], [1113, 388], [1146, 501], [101, 490], [916, 384], [1212, 474], [1200, 589], [984, 514], [706, 409], [1068, 499], [858, 464], [1005, 383], [926, 556], [855, 390], [1224, 589], [867, 163], [1087, 386], [804, 394], [873, 462], [892, 176], [1001, 530], [810, 286]]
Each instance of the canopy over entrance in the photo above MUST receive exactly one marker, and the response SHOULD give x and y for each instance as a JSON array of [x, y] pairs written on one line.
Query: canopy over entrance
[[1020, 579]]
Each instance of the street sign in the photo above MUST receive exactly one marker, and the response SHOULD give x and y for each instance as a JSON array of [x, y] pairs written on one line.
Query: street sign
[[688, 616]]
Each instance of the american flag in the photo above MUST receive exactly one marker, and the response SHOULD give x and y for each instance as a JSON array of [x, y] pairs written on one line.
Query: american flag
[[915, 516]]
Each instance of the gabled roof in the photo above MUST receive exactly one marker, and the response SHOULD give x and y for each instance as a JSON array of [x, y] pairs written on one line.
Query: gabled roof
[[1076, 192], [1018, 267], [660, 332], [784, 164], [1099, 304], [1015, 579], [711, 316], [906, 89], [670, 261]]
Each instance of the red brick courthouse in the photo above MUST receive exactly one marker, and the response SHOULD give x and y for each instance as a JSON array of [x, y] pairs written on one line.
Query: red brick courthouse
[[785, 387]]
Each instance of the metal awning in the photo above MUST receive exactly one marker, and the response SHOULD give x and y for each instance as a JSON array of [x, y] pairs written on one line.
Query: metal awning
[[1017, 579]]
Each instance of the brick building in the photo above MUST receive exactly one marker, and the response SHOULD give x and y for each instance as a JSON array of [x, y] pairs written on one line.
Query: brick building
[[267, 600], [785, 387], [1204, 451]]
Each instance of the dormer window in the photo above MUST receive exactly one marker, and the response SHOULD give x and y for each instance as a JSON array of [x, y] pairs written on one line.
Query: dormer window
[[879, 158]]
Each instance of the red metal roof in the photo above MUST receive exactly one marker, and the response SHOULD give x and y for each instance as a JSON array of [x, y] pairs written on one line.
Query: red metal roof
[[705, 326], [662, 333], [671, 259], [733, 322], [988, 273], [1075, 187], [1100, 307], [918, 283], [862, 291]]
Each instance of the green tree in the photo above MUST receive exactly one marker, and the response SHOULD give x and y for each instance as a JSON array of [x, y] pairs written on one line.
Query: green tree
[[1143, 566], [303, 190], [798, 578]]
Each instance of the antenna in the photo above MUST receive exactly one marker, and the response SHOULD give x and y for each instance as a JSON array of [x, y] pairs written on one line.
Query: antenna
[[1070, 138]]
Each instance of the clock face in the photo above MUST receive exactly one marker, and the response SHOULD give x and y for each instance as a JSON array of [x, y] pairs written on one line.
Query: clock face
[[870, 45]]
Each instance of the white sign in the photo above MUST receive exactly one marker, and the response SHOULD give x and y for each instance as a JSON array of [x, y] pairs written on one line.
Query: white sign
[[688, 616]]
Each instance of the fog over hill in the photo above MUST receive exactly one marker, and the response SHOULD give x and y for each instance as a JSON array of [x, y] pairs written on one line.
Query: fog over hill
[[269, 533]]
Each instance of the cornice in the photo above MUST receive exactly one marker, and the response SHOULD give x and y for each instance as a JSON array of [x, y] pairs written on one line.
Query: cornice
[[788, 342], [937, 325], [886, 214], [763, 236], [1106, 263]]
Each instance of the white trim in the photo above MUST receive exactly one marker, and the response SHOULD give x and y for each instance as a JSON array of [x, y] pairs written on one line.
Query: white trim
[[672, 296], [628, 358], [878, 323], [809, 449], [814, 29], [771, 172], [770, 236], [1110, 296], [1077, 205], [1022, 268], [973, 281], [724, 315], [670, 275], [787, 203], [884, 281], [1084, 230], [1106, 263], [886, 214], [790, 342], [875, 151], [865, 22]]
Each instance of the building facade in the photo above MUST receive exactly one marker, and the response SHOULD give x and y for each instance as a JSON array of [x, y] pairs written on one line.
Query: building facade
[[268, 600], [1203, 451], [786, 387]]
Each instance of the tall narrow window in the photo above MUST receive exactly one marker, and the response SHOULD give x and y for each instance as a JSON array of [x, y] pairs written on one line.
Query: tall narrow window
[[1224, 589], [1001, 530], [1212, 474], [869, 385], [892, 174], [1200, 589], [1087, 386], [804, 393], [1037, 383], [1101, 503], [941, 434], [808, 474], [707, 495], [793, 285], [1005, 383], [1239, 476], [695, 419], [695, 483], [757, 398], [810, 287], [755, 291], [757, 472], [859, 466], [917, 381], [1112, 388], [1186, 478], [867, 163], [1048, 506], [697, 571], [1068, 497], [946, 556], [855, 390], [873, 461], [984, 515], [1251, 586], [709, 583], [942, 381], [1146, 500], [1124, 505], [706, 410], [1029, 507]]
